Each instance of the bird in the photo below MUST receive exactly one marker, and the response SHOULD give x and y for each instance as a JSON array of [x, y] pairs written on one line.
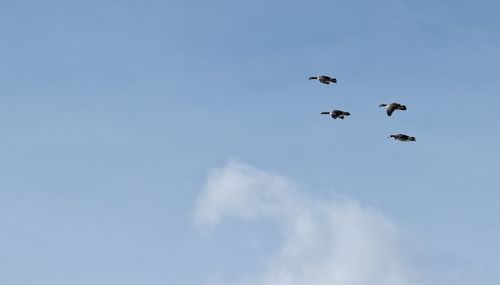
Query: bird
[[392, 107], [337, 114], [324, 79], [402, 137]]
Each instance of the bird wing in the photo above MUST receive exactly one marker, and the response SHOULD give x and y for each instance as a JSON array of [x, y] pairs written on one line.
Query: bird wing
[[390, 110]]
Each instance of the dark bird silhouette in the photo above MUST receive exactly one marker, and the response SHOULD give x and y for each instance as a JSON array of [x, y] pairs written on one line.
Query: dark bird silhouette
[[403, 138], [337, 114], [324, 79], [390, 108]]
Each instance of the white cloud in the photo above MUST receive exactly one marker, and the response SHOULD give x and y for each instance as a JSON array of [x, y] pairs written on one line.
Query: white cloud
[[335, 242]]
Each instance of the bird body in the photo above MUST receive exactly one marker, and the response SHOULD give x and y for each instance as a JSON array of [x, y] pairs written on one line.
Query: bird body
[[390, 108], [402, 137], [337, 114], [324, 79]]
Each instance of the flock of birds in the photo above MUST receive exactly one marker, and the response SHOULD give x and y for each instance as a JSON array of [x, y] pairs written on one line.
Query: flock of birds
[[390, 108]]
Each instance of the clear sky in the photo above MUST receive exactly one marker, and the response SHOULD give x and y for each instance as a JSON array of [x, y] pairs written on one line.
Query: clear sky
[[114, 115]]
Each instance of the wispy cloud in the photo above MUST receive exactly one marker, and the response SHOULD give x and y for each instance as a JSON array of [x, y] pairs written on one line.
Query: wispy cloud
[[335, 242]]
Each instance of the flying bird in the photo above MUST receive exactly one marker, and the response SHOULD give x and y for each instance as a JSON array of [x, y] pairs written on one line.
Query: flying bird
[[324, 79], [390, 108], [337, 114], [403, 138]]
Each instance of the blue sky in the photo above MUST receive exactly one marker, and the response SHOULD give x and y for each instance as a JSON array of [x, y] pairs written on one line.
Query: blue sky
[[113, 113]]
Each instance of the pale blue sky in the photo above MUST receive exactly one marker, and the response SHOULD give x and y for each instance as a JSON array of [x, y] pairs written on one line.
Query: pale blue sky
[[112, 112]]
